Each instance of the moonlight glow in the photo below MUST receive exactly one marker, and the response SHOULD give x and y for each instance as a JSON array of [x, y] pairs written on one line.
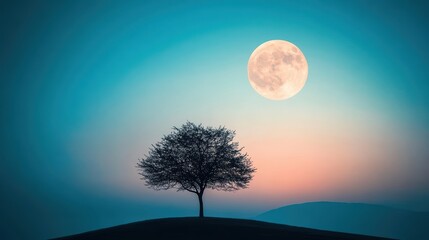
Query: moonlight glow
[[277, 69]]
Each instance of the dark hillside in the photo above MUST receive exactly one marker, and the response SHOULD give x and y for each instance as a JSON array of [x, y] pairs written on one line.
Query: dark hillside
[[211, 228]]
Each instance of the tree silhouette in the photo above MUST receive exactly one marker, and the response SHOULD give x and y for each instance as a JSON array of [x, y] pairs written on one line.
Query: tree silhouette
[[195, 158]]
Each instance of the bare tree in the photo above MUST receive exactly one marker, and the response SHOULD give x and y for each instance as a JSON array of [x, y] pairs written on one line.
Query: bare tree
[[195, 158]]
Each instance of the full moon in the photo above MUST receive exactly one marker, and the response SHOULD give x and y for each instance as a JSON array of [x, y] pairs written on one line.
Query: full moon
[[277, 69]]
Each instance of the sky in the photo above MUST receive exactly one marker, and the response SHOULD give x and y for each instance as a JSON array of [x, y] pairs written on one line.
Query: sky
[[87, 86]]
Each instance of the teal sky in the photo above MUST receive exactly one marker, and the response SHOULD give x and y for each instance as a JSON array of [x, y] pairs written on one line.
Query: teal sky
[[87, 86]]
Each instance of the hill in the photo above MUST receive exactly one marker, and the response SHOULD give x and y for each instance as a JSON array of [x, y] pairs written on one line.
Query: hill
[[353, 218], [210, 228]]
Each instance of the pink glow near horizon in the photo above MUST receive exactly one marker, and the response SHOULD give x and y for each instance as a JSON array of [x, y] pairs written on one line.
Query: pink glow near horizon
[[296, 161], [318, 163]]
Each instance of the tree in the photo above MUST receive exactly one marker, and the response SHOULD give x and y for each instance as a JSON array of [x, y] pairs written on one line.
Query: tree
[[194, 158]]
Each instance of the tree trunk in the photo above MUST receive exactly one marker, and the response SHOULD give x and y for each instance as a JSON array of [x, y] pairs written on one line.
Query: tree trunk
[[200, 199]]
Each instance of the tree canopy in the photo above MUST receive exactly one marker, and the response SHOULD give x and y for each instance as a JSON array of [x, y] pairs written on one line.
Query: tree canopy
[[195, 158]]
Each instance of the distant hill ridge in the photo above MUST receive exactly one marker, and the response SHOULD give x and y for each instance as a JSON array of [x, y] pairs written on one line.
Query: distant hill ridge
[[354, 218], [208, 228]]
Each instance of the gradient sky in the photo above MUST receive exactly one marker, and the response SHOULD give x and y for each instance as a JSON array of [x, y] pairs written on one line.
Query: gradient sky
[[87, 86]]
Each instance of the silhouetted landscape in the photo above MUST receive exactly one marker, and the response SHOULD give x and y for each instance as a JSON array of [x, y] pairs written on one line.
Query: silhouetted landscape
[[160, 119], [313, 220], [211, 228], [353, 218]]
